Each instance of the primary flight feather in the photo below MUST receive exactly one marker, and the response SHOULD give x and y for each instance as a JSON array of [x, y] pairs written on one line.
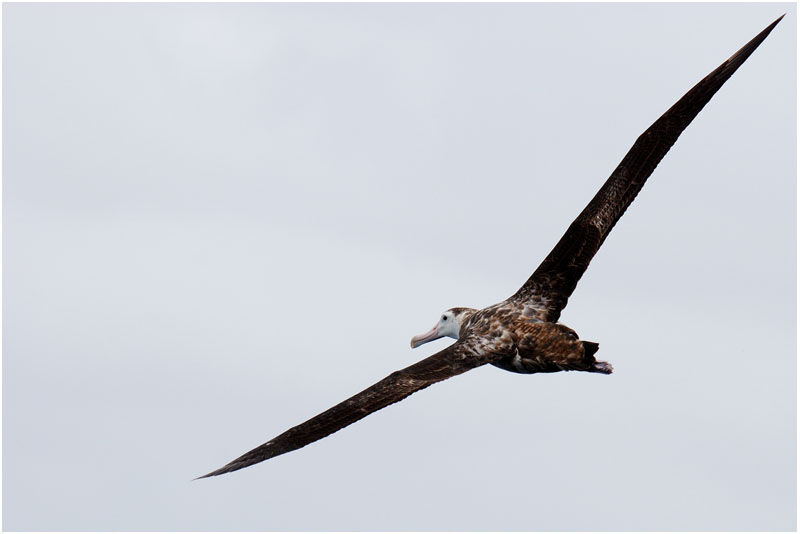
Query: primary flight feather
[[521, 334]]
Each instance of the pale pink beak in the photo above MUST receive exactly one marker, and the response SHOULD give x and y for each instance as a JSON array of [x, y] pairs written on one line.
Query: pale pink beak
[[416, 341]]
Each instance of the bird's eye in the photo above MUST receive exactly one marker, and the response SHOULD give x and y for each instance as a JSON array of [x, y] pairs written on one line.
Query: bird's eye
[[444, 317]]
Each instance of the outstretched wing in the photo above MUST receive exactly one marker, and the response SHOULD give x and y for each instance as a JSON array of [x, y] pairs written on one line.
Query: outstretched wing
[[555, 279], [453, 360]]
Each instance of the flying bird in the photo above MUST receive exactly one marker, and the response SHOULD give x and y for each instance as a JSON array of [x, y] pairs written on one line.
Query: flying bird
[[522, 333]]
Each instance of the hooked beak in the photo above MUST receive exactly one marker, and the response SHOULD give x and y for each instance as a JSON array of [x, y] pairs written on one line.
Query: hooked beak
[[416, 341]]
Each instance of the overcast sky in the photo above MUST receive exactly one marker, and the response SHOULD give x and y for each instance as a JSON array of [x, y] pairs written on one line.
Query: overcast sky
[[221, 220]]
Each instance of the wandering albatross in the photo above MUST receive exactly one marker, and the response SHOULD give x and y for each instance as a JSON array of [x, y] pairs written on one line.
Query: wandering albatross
[[521, 334]]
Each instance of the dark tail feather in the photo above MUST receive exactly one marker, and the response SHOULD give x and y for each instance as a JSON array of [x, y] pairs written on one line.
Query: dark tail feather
[[589, 348]]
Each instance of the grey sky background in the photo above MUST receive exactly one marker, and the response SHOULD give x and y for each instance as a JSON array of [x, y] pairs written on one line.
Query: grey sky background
[[221, 220]]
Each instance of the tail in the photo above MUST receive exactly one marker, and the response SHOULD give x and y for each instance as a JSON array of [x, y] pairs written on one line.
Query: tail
[[589, 348]]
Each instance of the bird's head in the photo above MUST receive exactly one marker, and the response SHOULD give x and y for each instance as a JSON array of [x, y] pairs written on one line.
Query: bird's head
[[448, 325]]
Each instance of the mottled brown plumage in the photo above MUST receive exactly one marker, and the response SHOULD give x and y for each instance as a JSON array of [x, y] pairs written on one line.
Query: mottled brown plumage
[[520, 334]]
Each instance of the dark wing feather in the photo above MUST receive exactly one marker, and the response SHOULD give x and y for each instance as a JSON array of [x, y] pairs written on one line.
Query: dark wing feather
[[453, 360], [548, 289]]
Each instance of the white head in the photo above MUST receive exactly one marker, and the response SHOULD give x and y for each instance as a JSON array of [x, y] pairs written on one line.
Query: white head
[[449, 325]]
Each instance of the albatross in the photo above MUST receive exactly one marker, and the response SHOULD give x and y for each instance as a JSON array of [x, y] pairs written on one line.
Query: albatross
[[522, 334]]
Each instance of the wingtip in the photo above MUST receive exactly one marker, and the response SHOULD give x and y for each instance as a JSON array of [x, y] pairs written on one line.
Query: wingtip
[[227, 468], [766, 31], [214, 473], [774, 23], [743, 53]]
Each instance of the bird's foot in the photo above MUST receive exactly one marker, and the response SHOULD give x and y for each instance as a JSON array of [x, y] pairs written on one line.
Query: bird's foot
[[602, 367]]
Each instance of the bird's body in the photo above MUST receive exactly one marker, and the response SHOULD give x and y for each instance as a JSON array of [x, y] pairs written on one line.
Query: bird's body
[[521, 334], [522, 343]]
